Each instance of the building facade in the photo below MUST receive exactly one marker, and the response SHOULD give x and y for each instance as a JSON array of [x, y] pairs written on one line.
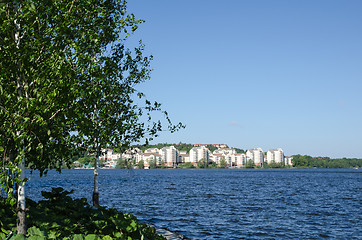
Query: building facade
[[256, 155], [169, 156], [275, 156], [198, 153]]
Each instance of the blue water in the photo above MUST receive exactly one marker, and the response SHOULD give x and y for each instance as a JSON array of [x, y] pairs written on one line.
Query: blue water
[[227, 203]]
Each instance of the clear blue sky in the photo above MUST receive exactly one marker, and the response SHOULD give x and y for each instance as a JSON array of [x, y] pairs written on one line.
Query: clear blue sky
[[258, 73]]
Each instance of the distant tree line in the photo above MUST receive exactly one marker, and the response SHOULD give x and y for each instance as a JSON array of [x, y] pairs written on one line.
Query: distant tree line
[[179, 146], [325, 162]]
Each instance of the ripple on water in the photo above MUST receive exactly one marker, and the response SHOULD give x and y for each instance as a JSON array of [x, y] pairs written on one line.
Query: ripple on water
[[228, 203]]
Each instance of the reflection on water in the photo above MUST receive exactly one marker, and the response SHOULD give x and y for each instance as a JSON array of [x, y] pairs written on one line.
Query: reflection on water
[[227, 203]]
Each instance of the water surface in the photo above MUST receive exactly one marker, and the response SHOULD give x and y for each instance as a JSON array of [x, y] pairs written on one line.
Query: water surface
[[227, 203]]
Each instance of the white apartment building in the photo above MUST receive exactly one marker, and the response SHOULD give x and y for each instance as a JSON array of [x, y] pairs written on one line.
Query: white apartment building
[[198, 153], [132, 153], [148, 157], [288, 160], [152, 150], [169, 155], [256, 155], [150, 154], [275, 156], [183, 157], [224, 151], [109, 157], [240, 159], [108, 154], [232, 159], [216, 157]]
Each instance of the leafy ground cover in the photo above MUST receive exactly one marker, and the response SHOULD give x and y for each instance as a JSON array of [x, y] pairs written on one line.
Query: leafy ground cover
[[61, 217]]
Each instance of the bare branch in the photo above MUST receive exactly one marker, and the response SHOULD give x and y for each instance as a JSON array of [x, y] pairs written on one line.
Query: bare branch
[[70, 9], [55, 114], [41, 50]]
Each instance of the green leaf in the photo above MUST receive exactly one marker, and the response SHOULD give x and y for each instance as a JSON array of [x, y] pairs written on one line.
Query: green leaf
[[55, 225], [36, 237], [107, 237], [12, 202], [5, 231], [19, 237], [78, 237], [53, 235], [132, 227], [117, 235], [35, 231], [91, 237]]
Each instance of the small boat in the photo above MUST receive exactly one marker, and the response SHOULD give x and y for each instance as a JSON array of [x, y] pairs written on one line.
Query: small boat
[[146, 168]]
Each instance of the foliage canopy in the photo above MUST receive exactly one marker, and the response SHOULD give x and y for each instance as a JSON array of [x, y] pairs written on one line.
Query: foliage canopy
[[68, 81]]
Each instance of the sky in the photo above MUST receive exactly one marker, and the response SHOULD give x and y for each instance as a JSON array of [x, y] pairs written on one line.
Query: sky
[[257, 73]]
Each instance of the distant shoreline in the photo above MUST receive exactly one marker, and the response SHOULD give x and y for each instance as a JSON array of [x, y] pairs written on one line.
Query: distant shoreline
[[235, 168]]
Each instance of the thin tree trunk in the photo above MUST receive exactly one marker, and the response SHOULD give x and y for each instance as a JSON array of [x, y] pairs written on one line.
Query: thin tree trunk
[[96, 191], [21, 214], [21, 222], [96, 160]]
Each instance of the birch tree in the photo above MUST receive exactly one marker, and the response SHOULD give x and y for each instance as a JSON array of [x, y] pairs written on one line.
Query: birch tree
[[65, 70], [35, 94], [112, 113]]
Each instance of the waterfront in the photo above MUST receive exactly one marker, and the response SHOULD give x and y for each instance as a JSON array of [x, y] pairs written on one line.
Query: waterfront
[[227, 203]]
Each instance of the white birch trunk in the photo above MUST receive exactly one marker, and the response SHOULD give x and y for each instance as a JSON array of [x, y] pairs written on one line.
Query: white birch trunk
[[96, 164], [21, 214], [21, 223]]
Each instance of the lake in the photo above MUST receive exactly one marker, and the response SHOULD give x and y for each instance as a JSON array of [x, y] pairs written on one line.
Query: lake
[[227, 203]]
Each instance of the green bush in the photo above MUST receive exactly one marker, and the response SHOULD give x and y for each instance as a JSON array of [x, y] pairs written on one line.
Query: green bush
[[186, 165], [61, 217]]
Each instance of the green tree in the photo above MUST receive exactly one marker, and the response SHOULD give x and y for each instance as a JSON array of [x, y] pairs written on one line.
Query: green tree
[[239, 150], [186, 165], [250, 164], [38, 79], [108, 113], [63, 68], [141, 164], [152, 163], [202, 163], [85, 160], [302, 161], [273, 164], [124, 163], [223, 163], [214, 165], [212, 148], [324, 162]]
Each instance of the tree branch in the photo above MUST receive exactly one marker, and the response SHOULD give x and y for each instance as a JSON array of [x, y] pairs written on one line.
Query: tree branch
[[41, 50], [55, 114], [70, 9]]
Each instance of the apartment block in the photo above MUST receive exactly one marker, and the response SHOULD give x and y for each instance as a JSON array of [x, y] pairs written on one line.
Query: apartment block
[[256, 155], [198, 153], [275, 156], [169, 156]]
